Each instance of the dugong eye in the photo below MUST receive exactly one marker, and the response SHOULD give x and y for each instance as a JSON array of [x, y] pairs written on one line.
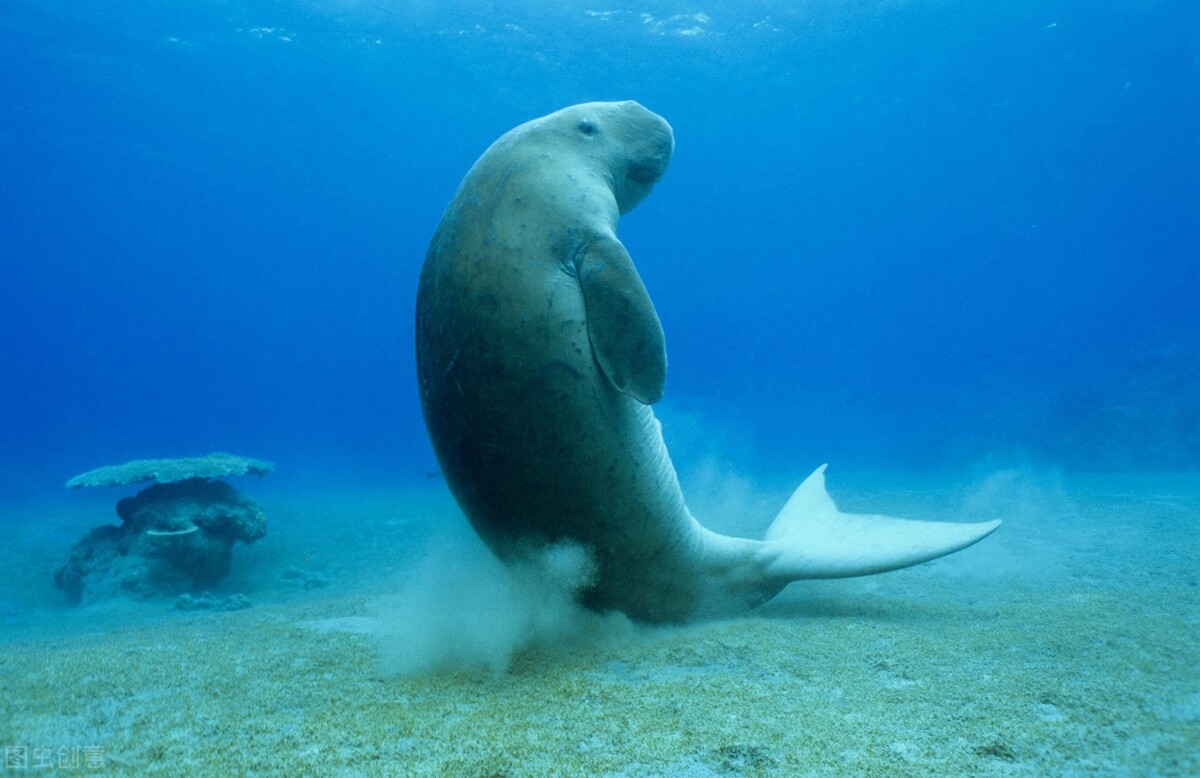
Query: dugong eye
[[588, 127]]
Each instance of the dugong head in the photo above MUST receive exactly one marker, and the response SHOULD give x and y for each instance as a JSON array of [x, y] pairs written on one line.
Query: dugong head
[[631, 145]]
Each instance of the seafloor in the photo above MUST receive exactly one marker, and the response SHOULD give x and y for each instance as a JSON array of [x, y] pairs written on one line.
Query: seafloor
[[1066, 644]]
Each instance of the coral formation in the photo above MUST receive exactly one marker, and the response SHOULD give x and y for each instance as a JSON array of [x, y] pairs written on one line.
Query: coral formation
[[176, 536], [165, 471]]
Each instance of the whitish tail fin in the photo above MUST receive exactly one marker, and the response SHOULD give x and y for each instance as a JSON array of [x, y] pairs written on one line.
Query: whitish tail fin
[[812, 539]]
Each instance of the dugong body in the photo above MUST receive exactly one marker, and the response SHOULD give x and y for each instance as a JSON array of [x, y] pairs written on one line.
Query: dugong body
[[539, 354]]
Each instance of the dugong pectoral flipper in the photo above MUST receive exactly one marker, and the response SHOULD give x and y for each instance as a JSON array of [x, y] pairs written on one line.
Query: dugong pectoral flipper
[[623, 327], [811, 538]]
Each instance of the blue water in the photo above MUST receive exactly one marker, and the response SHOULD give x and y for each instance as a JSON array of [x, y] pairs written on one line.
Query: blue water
[[893, 234]]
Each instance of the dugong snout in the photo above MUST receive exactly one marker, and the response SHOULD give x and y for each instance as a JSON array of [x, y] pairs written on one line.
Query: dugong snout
[[647, 143], [654, 142]]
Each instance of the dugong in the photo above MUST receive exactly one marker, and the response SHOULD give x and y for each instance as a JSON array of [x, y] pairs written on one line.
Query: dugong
[[539, 356]]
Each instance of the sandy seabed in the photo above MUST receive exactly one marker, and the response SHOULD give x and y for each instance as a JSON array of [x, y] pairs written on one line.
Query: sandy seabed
[[1066, 644]]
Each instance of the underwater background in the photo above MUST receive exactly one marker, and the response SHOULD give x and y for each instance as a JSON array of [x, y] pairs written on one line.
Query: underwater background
[[950, 248], [894, 234]]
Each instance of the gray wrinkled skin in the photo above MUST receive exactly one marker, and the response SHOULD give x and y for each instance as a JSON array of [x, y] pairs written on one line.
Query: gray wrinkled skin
[[538, 354]]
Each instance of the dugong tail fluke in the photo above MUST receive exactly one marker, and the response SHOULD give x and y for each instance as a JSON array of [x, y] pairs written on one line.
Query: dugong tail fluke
[[811, 538]]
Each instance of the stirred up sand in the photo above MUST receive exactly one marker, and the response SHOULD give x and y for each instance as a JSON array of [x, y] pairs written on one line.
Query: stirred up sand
[[383, 641]]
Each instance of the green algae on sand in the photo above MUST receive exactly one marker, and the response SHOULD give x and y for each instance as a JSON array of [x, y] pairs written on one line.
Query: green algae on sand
[[1061, 651]]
